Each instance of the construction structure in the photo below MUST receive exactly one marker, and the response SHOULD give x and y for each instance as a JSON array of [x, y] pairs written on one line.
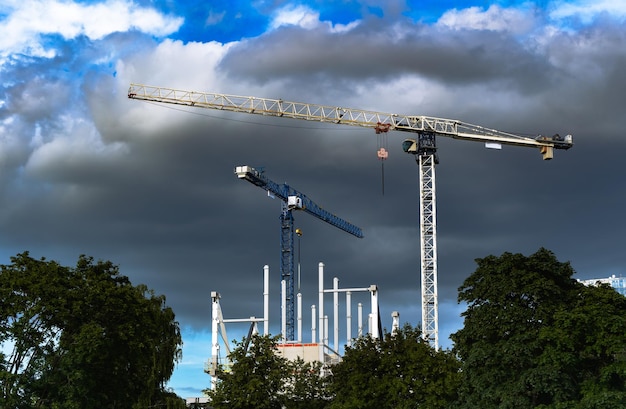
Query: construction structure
[[319, 348], [291, 200], [423, 147], [618, 283]]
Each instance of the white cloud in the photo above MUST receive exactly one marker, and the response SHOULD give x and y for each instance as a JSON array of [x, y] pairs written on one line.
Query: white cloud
[[301, 16], [29, 20], [162, 67], [163, 64], [587, 10], [495, 18], [77, 142], [305, 17]]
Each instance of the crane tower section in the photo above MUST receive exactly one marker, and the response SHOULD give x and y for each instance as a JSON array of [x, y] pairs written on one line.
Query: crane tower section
[[426, 158]]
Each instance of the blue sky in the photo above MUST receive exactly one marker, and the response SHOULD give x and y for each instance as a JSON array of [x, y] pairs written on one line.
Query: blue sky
[[84, 170]]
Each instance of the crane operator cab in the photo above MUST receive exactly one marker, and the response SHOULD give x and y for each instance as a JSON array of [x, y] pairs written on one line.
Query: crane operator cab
[[294, 203], [424, 145]]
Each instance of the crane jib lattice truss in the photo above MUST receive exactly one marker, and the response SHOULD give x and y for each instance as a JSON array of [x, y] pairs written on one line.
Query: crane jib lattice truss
[[423, 147], [339, 115]]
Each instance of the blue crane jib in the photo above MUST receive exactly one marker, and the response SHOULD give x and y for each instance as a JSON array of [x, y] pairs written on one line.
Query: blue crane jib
[[291, 200], [294, 199]]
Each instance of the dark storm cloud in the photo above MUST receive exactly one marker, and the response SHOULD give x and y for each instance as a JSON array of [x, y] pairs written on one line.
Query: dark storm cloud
[[379, 50], [548, 77]]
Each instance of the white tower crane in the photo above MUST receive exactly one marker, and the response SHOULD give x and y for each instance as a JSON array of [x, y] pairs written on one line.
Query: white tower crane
[[423, 147]]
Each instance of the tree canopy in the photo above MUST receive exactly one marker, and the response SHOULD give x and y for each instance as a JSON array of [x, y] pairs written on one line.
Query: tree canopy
[[400, 370], [259, 378], [535, 337], [83, 337], [255, 379]]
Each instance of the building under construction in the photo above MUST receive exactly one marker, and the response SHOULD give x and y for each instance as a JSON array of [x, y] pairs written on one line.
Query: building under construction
[[319, 348], [619, 283]]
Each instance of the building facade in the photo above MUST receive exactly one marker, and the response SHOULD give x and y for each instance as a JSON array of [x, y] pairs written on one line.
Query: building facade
[[619, 283]]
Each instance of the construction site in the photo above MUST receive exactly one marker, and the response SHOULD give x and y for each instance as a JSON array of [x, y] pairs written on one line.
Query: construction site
[[319, 346]]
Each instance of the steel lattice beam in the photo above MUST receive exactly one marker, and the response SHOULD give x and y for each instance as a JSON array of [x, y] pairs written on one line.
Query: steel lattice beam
[[287, 266], [428, 247]]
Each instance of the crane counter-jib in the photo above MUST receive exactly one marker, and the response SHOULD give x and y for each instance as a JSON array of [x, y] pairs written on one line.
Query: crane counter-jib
[[380, 121]]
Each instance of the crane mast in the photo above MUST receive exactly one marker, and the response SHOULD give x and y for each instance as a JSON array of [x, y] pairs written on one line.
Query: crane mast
[[291, 200], [426, 158], [423, 147]]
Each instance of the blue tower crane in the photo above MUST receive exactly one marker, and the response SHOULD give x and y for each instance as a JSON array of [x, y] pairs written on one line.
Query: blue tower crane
[[291, 200]]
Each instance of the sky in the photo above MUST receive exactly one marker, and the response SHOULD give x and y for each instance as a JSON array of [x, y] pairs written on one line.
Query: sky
[[150, 187]]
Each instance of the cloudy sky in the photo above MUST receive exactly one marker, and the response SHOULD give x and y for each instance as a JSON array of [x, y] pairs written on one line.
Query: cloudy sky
[[85, 170]]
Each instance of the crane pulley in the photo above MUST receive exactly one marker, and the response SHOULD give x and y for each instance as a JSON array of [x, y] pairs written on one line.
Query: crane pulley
[[423, 147]]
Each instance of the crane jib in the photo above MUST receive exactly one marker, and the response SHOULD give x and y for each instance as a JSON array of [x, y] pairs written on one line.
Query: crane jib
[[379, 121], [286, 192]]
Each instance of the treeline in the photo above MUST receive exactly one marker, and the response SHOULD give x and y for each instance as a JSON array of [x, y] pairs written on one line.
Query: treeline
[[83, 337], [533, 337]]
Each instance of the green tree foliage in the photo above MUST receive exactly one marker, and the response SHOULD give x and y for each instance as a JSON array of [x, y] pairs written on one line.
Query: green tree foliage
[[535, 337], [401, 370], [83, 337], [254, 380], [259, 378], [307, 387]]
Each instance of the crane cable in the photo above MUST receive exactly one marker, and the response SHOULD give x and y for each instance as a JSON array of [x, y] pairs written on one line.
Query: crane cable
[[382, 131]]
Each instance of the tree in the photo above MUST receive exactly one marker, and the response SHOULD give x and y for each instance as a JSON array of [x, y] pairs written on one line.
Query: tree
[[590, 334], [260, 378], [535, 337], [307, 386], [256, 378], [83, 337], [401, 370]]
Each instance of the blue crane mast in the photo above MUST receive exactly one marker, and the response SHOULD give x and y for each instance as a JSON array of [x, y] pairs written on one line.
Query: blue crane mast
[[291, 200]]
